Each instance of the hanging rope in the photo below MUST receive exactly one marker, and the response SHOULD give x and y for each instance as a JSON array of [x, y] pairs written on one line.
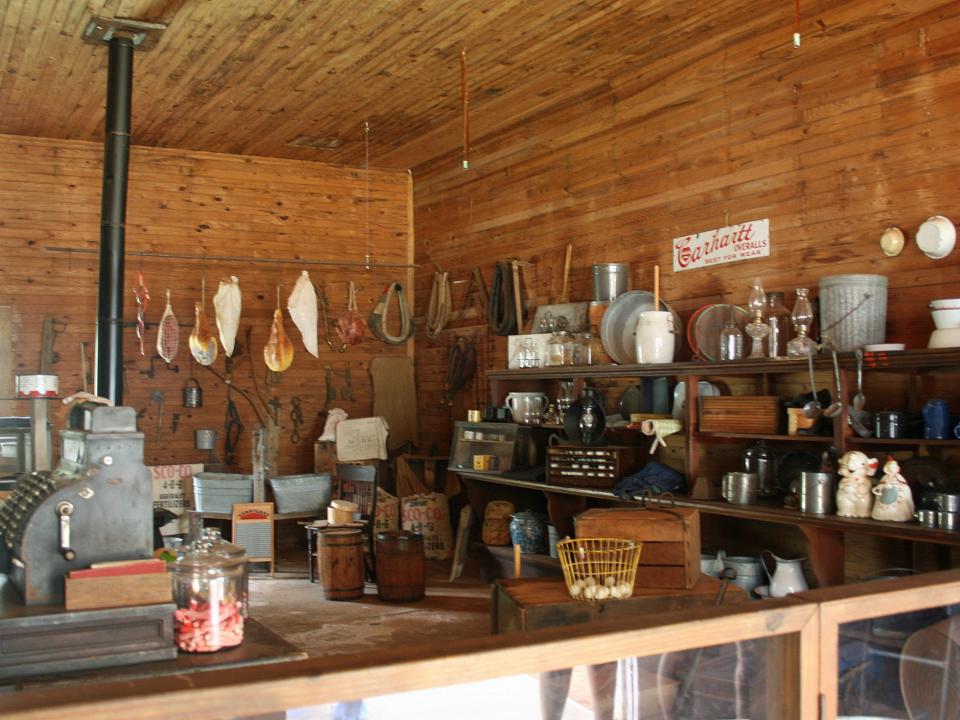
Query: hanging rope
[[465, 100], [796, 23], [438, 311]]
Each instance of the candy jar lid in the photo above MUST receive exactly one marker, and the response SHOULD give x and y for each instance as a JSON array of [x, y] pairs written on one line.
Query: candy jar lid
[[205, 556]]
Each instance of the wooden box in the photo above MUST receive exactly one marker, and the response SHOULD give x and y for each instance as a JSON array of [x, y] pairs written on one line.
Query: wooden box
[[761, 414], [118, 591], [670, 557], [523, 604], [593, 467]]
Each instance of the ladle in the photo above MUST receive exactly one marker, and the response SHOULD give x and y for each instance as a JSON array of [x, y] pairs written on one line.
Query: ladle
[[836, 406], [813, 408], [859, 400]]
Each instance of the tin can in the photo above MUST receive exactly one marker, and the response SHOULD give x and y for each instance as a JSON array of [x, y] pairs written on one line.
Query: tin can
[[30, 386]]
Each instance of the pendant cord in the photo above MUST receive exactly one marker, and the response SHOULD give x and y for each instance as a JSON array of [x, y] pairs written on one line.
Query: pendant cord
[[465, 100], [366, 202], [796, 23]]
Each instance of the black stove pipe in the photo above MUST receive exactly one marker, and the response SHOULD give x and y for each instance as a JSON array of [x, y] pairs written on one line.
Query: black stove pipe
[[113, 213]]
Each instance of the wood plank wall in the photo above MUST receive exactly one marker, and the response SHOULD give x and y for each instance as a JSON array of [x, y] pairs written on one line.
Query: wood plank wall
[[853, 132], [197, 204]]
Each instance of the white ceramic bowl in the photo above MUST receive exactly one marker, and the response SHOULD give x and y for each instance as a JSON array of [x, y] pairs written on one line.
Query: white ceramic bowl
[[944, 303], [936, 237], [946, 318], [946, 338]]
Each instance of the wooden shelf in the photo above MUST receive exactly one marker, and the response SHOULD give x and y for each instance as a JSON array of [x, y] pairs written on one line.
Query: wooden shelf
[[903, 442], [945, 360], [766, 511], [774, 438]]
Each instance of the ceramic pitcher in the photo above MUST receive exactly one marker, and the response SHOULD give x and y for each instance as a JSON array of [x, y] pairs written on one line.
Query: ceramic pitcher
[[527, 407], [786, 576]]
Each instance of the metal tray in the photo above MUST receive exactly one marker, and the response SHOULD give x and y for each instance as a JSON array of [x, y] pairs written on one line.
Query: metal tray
[[618, 328]]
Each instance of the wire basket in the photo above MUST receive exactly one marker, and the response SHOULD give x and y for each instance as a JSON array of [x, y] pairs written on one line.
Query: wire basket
[[598, 569]]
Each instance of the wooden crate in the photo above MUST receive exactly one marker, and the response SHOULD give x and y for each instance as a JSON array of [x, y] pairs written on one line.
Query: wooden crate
[[670, 557], [523, 604], [594, 467], [760, 414], [118, 591]]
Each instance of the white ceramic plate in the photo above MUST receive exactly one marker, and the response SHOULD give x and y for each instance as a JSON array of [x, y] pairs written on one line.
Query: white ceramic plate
[[704, 389], [618, 329]]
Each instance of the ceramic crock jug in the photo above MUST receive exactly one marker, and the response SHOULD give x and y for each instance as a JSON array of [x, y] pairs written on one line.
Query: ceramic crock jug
[[527, 407], [786, 576]]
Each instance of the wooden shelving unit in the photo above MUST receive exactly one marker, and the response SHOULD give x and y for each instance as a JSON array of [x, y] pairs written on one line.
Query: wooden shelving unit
[[825, 534]]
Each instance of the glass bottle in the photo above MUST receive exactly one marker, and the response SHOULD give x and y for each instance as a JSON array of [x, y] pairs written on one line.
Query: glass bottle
[[778, 319], [557, 347], [757, 329], [208, 591], [802, 319], [731, 340]]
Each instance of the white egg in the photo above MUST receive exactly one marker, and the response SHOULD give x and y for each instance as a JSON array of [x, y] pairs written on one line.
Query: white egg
[[590, 592], [575, 590], [610, 580], [580, 584], [615, 592], [625, 589], [590, 581], [603, 593]]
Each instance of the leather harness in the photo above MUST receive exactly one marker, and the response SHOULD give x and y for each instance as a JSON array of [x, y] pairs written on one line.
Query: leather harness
[[461, 367], [501, 313], [438, 311], [378, 317]]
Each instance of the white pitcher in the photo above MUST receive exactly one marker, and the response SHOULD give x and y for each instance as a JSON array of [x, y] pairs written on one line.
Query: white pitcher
[[787, 576]]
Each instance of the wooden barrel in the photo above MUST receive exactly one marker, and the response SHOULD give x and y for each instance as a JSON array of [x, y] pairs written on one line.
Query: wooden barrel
[[401, 566], [339, 558]]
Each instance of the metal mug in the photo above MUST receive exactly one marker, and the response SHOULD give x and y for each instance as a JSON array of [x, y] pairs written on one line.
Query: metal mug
[[927, 518], [741, 488], [948, 520], [817, 492], [474, 415], [205, 439], [890, 424]]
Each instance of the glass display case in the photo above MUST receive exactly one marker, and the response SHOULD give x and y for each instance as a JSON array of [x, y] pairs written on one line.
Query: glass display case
[[492, 447]]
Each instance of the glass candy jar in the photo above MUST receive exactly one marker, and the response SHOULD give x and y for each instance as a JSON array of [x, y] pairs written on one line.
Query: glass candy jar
[[802, 317], [208, 591], [237, 552]]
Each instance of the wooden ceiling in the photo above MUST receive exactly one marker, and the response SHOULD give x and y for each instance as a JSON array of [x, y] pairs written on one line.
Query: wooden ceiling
[[251, 76]]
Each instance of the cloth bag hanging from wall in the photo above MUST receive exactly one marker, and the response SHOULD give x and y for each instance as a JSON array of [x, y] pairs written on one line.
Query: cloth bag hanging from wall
[[302, 306]]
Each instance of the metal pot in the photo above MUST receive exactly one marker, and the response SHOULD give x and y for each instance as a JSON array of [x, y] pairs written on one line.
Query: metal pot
[[192, 394], [760, 459]]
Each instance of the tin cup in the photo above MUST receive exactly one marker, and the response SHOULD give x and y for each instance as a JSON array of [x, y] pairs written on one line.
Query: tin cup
[[741, 488]]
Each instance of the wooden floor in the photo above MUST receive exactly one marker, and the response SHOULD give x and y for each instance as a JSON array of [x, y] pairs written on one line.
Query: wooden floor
[[295, 608]]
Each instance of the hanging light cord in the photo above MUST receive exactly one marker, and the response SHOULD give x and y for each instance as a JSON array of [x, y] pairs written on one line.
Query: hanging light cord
[[796, 23], [366, 198], [465, 98]]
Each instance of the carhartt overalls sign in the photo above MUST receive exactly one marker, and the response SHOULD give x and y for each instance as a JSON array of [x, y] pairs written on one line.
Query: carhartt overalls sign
[[714, 247]]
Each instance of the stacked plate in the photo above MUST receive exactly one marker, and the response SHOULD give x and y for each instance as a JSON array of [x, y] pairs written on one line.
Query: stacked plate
[[618, 329]]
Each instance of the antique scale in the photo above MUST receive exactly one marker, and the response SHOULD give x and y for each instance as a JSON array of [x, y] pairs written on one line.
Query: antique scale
[[97, 504]]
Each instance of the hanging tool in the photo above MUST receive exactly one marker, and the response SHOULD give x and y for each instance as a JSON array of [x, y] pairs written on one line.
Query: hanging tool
[[325, 313], [515, 266], [142, 296], [438, 310], [296, 418], [475, 293], [274, 405], [83, 366], [232, 429], [160, 399], [48, 356], [331, 390], [566, 276], [378, 317], [271, 378], [152, 372], [346, 392], [461, 367], [501, 309], [175, 423]]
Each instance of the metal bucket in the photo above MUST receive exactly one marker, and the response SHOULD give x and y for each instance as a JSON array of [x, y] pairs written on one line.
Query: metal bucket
[[610, 280], [205, 439], [192, 394]]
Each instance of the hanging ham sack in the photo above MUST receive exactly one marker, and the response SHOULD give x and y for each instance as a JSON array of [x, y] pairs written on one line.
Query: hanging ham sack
[[302, 306], [278, 352], [429, 515], [168, 334], [203, 345], [227, 303], [388, 512], [350, 327]]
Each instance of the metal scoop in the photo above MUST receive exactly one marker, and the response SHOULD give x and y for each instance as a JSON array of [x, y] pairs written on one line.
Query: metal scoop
[[836, 406], [813, 408], [859, 400]]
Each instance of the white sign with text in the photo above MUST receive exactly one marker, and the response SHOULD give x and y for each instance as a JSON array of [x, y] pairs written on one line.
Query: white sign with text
[[715, 247]]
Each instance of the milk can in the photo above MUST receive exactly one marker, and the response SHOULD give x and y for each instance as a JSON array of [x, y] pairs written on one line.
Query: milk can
[[208, 591]]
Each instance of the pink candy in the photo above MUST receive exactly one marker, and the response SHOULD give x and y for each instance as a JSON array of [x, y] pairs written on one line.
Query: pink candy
[[207, 627]]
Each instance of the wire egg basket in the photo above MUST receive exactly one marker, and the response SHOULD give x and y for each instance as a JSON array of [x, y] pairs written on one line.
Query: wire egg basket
[[598, 569]]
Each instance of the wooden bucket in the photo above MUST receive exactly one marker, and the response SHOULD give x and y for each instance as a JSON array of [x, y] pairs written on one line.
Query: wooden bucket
[[401, 566], [339, 554]]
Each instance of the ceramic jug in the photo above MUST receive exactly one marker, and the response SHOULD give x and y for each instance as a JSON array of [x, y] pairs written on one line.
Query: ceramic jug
[[527, 407], [655, 338], [786, 576]]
